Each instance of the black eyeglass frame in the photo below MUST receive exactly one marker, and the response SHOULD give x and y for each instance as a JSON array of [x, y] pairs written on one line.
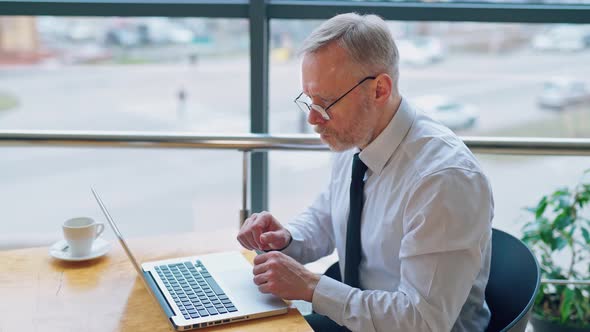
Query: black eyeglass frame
[[324, 111]]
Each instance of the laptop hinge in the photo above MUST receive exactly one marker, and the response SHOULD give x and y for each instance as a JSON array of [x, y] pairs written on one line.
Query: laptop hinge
[[158, 294]]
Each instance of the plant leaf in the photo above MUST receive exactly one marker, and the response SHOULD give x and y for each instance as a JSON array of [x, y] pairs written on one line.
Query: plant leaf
[[563, 191], [530, 233], [546, 233], [579, 311], [584, 197], [566, 304], [585, 304], [563, 220], [540, 295], [572, 231], [586, 235], [541, 207], [562, 198], [559, 243], [581, 302]]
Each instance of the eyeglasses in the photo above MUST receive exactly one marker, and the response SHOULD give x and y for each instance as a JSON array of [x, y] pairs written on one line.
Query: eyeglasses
[[306, 105]]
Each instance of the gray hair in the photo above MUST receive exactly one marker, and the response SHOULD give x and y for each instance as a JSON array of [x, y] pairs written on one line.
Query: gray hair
[[366, 39]]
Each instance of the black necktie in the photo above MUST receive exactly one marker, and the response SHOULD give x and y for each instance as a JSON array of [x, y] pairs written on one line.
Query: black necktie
[[353, 229]]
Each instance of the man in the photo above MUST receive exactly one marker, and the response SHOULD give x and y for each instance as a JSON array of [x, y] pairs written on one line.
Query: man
[[407, 206]]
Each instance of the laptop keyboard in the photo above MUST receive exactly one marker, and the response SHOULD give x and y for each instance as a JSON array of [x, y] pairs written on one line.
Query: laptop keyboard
[[193, 289]]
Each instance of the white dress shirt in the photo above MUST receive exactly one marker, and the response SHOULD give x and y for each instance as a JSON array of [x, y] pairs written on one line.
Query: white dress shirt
[[425, 233]]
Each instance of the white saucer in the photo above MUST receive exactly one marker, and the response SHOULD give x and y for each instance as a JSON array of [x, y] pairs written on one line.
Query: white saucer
[[99, 248]]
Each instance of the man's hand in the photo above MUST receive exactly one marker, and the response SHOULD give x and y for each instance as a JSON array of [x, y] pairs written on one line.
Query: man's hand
[[281, 275], [263, 232]]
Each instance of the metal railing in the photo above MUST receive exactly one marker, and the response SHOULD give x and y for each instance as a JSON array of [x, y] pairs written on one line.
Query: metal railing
[[566, 282], [262, 142], [265, 142]]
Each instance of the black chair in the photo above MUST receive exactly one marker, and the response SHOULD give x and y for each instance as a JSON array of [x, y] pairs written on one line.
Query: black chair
[[512, 286]]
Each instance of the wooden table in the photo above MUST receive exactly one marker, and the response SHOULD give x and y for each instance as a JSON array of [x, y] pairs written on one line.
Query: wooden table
[[40, 293]]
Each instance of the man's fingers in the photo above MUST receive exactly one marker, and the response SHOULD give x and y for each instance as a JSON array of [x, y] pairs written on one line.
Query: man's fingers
[[276, 240], [252, 240], [273, 240], [262, 278], [242, 242], [264, 288], [258, 226], [266, 238], [245, 236], [259, 259], [253, 216], [265, 219], [259, 268], [252, 229], [242, 239], [257, 230]]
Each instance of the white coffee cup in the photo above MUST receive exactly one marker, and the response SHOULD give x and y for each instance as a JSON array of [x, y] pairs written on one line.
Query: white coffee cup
[[80, 233]]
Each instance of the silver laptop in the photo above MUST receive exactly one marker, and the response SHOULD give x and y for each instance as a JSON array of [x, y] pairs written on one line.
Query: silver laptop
[[202, 291]]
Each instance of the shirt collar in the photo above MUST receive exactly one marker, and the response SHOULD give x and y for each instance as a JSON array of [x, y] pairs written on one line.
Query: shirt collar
[[378, 152]]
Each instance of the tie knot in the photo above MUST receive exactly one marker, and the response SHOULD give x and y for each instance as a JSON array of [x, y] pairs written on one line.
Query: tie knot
[[358, 167]]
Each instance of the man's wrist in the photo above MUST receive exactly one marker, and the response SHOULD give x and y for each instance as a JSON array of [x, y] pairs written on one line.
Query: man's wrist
[[285, 247], [288, 243], [314, 280]]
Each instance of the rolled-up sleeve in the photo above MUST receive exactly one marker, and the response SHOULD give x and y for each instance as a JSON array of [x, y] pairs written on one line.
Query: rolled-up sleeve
[[446, 230]]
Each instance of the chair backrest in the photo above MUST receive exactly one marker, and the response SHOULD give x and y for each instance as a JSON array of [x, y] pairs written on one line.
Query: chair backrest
[[513, 283]]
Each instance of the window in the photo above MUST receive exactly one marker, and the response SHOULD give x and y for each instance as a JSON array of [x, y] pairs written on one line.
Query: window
[[117, 74], [113, 73], [192, 75]]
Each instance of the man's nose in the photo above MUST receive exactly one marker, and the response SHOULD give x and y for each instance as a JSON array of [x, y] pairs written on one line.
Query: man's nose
[[314, 118]]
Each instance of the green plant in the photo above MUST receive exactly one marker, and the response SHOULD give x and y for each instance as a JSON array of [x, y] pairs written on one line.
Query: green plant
[[559, 236]]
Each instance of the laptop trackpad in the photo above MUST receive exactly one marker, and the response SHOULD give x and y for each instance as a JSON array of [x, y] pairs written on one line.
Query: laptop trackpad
[[234, 275]]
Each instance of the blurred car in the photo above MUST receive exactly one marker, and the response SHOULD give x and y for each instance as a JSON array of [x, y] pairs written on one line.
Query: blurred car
[[566, 38], [125, 36], [449, 112], [559, 93], [420, 51], [157, 30]]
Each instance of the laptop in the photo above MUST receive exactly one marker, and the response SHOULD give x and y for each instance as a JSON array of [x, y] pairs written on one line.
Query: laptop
[[201, 291]]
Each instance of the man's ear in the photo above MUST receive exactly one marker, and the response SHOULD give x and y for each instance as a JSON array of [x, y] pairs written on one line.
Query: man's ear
[[383, 89]]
